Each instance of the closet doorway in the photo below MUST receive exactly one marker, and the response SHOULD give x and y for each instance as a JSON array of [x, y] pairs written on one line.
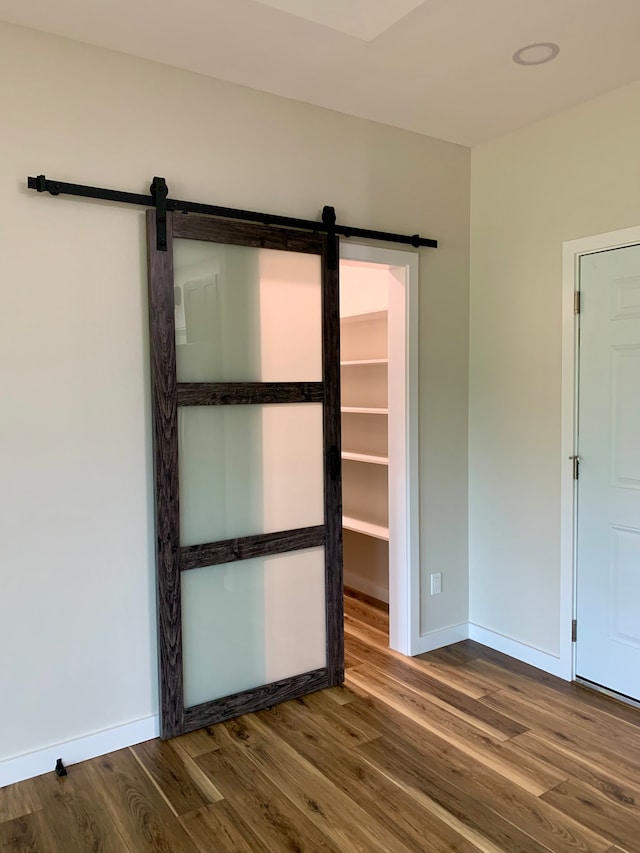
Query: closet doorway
[[379, 361]]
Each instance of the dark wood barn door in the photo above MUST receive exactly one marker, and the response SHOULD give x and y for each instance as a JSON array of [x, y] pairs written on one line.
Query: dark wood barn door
[[246, 406]]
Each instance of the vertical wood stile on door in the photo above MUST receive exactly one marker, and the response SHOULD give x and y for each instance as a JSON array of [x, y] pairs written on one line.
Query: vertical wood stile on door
[[172, 556], [165, 443], [333, 474]]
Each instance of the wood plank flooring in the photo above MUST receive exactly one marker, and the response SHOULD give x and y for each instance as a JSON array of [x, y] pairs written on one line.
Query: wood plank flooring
[[461, 750]]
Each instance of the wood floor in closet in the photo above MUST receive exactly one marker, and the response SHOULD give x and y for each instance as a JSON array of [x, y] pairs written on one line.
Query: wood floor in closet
[[458, 750]]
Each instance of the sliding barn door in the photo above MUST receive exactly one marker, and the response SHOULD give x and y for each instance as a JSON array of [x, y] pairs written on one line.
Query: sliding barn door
[[246, 405]]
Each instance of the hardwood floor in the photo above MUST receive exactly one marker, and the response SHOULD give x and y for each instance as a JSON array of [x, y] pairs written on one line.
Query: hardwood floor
[[459, 750]]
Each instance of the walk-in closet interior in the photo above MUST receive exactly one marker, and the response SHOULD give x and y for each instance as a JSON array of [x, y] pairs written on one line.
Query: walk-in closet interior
[[365, 458]]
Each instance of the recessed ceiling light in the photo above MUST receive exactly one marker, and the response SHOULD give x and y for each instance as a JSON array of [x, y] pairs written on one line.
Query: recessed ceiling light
[[536, 54]]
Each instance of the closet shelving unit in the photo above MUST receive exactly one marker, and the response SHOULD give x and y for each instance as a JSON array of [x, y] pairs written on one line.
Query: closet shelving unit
[[364, 369]]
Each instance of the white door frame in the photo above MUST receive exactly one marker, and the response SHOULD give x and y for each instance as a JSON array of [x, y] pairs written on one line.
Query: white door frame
[[572, 251], [404, 544]]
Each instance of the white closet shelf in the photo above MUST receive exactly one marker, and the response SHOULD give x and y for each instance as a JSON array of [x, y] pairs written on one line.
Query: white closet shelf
[[365, 457], [378, 531], [357, 362], [359, 410], [366, 317]]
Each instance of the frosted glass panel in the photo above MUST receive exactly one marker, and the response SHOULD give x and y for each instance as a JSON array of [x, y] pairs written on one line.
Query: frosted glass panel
[[246, 470], [245, 314], [249, 623]]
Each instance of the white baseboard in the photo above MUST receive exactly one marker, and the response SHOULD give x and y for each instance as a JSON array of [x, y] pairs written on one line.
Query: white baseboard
[[520, 651], [72, 751], [438, 639], [90, 746], [369, 587]]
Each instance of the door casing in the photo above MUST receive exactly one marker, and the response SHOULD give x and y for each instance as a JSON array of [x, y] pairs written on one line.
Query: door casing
[[404, 544]]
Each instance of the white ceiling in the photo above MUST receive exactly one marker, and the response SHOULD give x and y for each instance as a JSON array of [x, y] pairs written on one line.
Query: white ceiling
[[439, 67], [364, 19]]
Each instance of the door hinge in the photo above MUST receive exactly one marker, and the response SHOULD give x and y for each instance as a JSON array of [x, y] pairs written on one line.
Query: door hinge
[[574, 630], [576, 466], [576, 302]]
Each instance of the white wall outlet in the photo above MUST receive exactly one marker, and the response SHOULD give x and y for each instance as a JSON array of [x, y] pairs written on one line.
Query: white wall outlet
[[436, 583]]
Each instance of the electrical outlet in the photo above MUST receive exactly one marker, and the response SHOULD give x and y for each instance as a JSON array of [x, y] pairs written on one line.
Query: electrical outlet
[[436, 583]]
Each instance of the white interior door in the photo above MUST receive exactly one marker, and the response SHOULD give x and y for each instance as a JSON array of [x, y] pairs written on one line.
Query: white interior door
[[608, 528]]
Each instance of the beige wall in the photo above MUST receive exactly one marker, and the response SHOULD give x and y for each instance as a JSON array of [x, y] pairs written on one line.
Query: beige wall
[[563, 178], [76, 566]]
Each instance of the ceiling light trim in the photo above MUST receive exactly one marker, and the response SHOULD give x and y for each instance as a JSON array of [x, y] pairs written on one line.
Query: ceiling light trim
[[537, 53]]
